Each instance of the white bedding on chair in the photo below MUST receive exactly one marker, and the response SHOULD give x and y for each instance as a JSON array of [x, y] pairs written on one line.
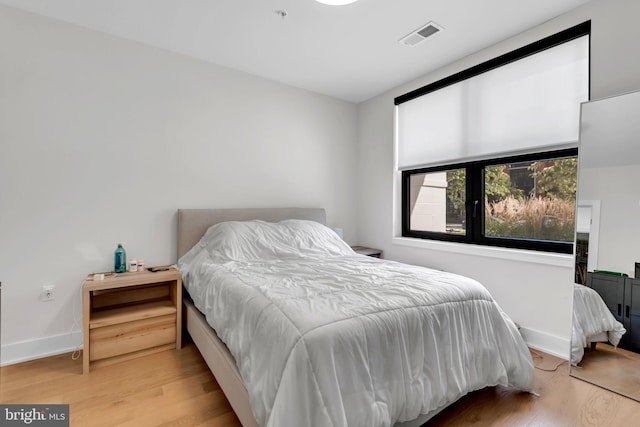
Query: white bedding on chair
[[325, 337], [591, 317]]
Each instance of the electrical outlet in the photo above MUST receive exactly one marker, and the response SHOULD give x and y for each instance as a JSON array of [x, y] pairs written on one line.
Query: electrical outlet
[[47, 292]]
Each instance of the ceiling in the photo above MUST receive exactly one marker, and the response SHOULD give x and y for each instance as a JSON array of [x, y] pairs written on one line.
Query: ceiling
[[349, 52]]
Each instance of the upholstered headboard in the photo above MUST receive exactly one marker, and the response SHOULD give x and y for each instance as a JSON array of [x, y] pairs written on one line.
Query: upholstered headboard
[[193, 223]]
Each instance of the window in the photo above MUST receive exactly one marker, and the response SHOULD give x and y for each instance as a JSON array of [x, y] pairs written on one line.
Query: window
[[481, 202], [437, 201], [489, 155]]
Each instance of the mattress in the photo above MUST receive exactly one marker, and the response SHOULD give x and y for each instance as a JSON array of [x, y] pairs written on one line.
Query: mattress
[[325, 337], [591, 318]]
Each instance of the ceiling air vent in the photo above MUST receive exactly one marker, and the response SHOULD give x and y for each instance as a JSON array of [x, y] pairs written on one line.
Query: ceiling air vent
[[421, 34]]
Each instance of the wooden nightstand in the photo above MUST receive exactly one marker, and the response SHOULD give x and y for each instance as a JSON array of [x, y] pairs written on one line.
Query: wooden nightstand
[[127, 315], [363, 250]]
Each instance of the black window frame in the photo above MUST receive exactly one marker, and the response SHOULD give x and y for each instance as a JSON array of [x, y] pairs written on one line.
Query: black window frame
[[474, 183], [474, 205]]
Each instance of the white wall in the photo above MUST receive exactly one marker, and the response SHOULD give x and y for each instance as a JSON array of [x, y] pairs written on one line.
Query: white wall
[[103, 139], [617, 190], [536, 293]]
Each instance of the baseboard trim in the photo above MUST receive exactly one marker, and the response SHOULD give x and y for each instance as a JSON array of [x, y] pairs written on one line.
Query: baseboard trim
[[24, 351], [550, 344], [65, 343]]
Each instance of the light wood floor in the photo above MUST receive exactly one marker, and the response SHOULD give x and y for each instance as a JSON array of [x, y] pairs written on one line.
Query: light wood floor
[[615, 368], [175, 388]]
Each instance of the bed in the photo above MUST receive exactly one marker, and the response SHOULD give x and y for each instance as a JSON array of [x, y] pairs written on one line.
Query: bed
[[592, 322], [300, 330]]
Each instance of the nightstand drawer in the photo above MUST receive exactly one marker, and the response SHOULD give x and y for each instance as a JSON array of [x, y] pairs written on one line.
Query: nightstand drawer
[[123, 338]]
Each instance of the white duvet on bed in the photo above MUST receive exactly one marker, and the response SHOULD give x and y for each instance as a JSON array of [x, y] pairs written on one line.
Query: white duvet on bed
[[591, 316], [325, 337]]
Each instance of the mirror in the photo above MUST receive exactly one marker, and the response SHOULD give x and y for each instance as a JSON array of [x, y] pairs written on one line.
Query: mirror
[[606, 301]]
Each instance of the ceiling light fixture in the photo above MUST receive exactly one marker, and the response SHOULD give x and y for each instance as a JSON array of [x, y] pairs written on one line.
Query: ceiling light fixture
[[336, 2]]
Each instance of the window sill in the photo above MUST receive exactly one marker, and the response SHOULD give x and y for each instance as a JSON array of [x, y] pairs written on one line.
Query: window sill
[[535, 257]]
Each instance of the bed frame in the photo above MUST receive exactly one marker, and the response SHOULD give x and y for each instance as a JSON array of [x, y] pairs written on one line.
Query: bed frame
[[192, 224]]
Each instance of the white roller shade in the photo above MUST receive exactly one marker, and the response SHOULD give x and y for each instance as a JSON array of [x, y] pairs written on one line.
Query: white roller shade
[[529, 105]]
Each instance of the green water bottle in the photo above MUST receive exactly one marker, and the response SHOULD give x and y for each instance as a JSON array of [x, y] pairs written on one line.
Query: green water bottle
[[120, 259]]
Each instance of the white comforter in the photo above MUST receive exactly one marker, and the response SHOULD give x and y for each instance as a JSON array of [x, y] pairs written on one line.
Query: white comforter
[[591, 316], [325, 337]]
